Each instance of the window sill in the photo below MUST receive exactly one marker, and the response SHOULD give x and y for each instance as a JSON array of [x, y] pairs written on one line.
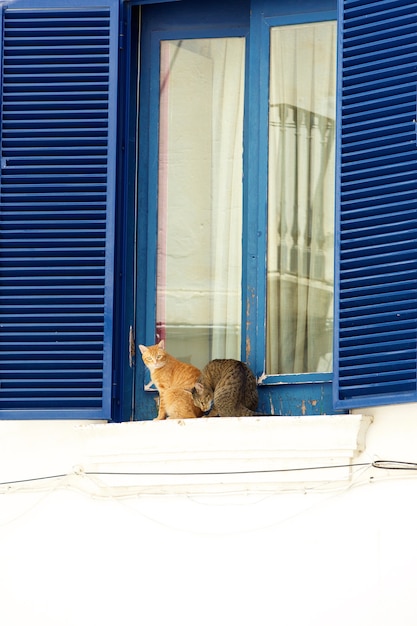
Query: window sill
[[249, 454], [208, 455]]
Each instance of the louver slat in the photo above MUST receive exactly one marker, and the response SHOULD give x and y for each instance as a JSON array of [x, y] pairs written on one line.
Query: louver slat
[[58, 103], [376, 318]]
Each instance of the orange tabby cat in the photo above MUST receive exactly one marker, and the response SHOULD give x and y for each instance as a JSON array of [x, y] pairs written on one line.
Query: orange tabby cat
[[173, 379]]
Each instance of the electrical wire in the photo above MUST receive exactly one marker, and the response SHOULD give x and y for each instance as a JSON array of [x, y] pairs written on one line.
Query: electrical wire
[[395, 465], [378, 464], [31, 480], [208, 473], [231, 472]]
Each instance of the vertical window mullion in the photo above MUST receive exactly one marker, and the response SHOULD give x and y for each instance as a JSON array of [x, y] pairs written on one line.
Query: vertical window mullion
[[255, 194]]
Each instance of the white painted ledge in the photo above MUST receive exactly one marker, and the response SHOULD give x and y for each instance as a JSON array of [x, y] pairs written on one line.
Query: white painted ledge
[[186, 456]]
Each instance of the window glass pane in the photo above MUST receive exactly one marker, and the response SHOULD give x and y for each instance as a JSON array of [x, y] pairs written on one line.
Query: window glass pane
[[200, 198], [301, 198]]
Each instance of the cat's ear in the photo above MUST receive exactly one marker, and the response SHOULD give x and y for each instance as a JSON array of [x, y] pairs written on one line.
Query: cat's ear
[[161, 344], [142, 348], [199, 388]]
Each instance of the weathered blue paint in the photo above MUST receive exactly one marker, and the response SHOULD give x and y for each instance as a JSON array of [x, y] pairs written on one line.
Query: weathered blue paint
[[296, 399], [301, 399]]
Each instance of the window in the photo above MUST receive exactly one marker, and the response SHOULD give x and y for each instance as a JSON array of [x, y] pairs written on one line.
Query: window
[[208, 223], [237, 133]]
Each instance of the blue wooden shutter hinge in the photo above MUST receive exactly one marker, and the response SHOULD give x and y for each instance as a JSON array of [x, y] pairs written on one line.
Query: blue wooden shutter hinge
[[122, 34]]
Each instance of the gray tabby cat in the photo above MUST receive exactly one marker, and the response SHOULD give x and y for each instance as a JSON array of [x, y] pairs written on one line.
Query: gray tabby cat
[[226, 388]]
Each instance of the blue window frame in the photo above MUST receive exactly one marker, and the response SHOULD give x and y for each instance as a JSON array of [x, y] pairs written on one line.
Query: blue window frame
[[257, 188], [279, 394]]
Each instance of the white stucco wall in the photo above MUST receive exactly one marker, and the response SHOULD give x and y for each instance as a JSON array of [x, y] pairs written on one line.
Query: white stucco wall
[[316, 548]]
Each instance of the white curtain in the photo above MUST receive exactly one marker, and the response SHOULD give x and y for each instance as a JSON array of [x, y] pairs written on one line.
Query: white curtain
[[226, 250], [301, 198], [200, 198]]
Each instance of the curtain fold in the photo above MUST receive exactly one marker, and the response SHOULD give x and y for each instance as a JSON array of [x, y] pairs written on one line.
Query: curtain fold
[[228, 97]]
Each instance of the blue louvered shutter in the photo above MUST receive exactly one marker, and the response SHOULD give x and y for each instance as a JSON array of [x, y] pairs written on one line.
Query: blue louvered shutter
[[376, 277], [58, 130]]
